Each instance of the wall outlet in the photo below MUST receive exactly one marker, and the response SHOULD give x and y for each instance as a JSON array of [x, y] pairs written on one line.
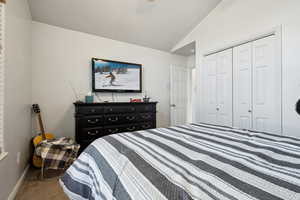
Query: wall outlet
[[18, 157]]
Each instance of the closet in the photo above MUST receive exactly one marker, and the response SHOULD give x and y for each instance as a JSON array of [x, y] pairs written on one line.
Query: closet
[[217, 90], [257, 86], [242, 87]]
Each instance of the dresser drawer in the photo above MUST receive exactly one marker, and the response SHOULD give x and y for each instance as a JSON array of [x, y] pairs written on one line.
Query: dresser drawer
[[141, 117], [147, 125], [91, 133], [119, 109], [131, 128], [137, 117], [108, 130], [128, 118], [90, 110], [113, 119], [90, 121], [121, 128], [146, 108]]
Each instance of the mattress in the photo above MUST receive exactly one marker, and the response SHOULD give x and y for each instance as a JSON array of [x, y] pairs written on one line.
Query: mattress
[[195, 161]]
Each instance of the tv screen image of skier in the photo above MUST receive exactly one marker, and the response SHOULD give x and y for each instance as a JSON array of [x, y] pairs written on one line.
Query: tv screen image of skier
[[114, 76]]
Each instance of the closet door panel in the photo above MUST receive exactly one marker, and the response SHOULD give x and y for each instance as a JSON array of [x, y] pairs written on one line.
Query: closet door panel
[[266, 87], [210, 89], [224, 88], [242, 86]]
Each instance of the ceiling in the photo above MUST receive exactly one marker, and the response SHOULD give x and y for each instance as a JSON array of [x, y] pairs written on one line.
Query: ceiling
[[157, 24], [187, 50]]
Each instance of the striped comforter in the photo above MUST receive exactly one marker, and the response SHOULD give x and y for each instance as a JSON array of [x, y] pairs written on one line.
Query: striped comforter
[[194, 161]]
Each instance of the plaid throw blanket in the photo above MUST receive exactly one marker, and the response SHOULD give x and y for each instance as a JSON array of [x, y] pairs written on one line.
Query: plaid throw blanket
[[58, 153]]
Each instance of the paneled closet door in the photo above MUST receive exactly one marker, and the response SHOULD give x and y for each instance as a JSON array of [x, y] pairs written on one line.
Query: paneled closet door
[[209, 88], [266, 86], [242, 86], [224, 88]]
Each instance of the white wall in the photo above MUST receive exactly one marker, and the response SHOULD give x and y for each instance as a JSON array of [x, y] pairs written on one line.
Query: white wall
[[17, 117], [191, 61], [235, 20], [61, 55]]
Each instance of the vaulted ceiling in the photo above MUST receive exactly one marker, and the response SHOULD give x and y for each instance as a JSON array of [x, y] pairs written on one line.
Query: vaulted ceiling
[[157, 24]]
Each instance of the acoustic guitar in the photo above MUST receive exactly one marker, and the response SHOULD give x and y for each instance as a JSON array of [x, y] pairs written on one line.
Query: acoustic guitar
[[37, 160]]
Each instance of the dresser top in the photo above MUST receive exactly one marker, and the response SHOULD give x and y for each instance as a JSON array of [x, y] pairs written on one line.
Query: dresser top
[[114, 103]]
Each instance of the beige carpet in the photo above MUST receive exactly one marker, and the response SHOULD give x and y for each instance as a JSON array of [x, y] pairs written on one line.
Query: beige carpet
[[35, 189]]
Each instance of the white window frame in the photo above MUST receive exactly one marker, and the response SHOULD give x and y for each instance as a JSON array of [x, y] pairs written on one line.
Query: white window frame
[[2, 76]]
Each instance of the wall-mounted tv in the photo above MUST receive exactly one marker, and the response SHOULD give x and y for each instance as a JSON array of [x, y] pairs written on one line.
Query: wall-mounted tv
[[115, 76]]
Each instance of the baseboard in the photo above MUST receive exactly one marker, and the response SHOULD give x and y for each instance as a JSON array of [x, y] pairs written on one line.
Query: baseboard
[[14, 192]]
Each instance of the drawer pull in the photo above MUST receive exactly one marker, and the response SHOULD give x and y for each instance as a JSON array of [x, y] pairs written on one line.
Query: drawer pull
[[93, 110], [93, 121], [93, 133], [146, 116], [146, 126], [113, 119], [132, 109], [113, 130], [110, 109], [130, 118], [131, 129]]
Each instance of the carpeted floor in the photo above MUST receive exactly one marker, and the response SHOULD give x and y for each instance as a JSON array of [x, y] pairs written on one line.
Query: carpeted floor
[[35, 189]]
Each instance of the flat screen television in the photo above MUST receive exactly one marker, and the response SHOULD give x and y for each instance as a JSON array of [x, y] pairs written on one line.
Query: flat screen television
[[115, 76]]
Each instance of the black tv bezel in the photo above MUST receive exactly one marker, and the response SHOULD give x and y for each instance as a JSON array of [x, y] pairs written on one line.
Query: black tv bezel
[[112, 90]]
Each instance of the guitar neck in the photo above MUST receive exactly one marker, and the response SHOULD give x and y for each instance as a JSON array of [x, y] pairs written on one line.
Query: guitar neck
[[41, 126]]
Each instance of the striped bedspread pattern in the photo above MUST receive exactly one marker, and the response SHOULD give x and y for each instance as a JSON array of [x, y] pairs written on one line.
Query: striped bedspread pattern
[[196, 161]]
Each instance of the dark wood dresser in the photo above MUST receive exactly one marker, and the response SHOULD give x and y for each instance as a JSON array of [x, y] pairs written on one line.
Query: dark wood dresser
[[95, 120]]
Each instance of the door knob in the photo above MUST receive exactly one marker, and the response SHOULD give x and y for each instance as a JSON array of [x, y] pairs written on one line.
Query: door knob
[[173, 105], [217, 109], [249, 111]]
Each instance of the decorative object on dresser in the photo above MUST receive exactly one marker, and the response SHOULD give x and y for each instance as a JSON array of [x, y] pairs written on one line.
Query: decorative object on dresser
[[135, 100], [95, 120], [146, 98]]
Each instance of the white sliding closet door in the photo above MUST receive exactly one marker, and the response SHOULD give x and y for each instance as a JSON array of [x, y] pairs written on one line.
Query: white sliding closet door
[[210, 89], [266, 86], [242, 90], [224, 88], [217, 88]]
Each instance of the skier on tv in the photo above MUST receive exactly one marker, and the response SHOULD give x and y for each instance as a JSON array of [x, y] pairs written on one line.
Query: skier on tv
[[112, 78]]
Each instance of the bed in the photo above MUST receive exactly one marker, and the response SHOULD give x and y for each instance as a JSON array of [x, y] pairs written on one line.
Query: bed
[[196, 161]]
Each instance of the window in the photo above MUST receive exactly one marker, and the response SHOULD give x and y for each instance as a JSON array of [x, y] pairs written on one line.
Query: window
[[2, 21]]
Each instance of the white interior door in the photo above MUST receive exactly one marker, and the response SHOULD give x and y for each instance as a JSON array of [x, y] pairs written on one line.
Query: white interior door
[[178, 95], [224, 88], [209, 89], [242, 86], [266, 86]]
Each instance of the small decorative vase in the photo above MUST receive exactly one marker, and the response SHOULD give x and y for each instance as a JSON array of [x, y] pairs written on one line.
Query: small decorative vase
[[146, 99], [89, 99]]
